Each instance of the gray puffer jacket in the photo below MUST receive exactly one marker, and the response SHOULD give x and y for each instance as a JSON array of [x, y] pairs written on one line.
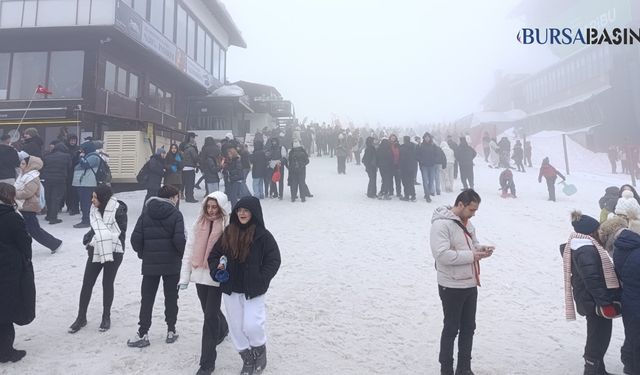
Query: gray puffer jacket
[[451, 249]]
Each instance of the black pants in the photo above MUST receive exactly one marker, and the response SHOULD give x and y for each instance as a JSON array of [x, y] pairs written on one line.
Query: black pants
[[71, 198], [7, 336], [508, 187], [372, 188], [149, 290], [54, 195], [398, 180], [387, 181], [551, 187], [527, 160], [342, 164], [215, 324], [297, 180], [189, 180], [408, 181], [37, 233], [276, 190], [466, 176], [519, 165], [598, 337], [459, 307], [91, 272], [630, 351], [614, 165]]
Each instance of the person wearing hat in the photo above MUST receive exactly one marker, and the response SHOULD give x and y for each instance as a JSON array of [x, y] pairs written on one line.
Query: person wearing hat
[[85, 181], [253, 260], [590, 281], [550, 174], [190, 161], [32, 143], [9, 160]]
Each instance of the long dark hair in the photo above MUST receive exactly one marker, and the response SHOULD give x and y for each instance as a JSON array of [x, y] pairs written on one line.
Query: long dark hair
[[103, 193], [7, 194], [236, 241]]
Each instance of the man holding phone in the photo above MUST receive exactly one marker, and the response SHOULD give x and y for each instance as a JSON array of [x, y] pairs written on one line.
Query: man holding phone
[[457, 254]]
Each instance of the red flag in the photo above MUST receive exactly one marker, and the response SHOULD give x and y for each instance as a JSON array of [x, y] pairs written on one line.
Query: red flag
[[43, 90]]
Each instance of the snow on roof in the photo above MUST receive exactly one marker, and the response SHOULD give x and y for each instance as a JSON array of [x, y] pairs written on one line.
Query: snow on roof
[[572, 101], [228, 91]]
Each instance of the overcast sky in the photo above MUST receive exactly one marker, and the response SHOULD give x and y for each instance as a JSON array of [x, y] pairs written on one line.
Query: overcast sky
[[405, 62]]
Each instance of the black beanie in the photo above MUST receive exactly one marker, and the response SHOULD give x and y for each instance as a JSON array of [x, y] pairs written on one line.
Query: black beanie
[[584, 224]]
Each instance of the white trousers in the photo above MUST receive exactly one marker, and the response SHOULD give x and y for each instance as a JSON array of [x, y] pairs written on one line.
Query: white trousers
[[246, 318]]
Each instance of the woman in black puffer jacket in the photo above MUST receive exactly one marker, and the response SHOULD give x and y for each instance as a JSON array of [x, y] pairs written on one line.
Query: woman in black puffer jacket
[[253, 259]]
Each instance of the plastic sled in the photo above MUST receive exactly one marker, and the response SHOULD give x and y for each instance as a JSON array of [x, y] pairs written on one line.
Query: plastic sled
[[568, 189]]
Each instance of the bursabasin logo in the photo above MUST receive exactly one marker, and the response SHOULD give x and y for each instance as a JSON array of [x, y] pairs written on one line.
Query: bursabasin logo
[[568, 36]]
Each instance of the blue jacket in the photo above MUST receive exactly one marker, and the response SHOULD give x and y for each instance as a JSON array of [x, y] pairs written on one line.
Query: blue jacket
[[84, 171], [626, 258]]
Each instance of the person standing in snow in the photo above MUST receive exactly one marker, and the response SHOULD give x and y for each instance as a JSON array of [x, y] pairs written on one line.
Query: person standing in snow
[[550, 174], [590, 281], [527, 153], [395, 167], [369, 159], [213, 219], [105, 250], [518, 156], [486, 141], [298, 160], [457, 254], [253, 260], [173, 165], [464, 155], [155, 173], [408, 167], [447, 173], [259, 164], [159, 240], [18, 296], [608, 202], [28, 193], [341, 154], [384, 161]]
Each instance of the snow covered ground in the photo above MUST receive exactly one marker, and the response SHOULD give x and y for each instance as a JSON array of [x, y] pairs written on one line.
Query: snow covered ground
[[356, 293]]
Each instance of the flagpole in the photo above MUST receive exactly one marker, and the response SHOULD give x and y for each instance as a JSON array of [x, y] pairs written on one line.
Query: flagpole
[[17, 132]]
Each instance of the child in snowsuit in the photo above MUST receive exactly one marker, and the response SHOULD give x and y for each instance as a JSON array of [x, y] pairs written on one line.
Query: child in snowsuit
[[506, 183]]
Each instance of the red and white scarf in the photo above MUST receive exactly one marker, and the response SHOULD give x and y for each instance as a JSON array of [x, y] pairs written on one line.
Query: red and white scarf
[[610, 278]]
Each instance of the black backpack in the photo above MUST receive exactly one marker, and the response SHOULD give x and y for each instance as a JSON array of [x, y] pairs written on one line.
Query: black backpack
[[143, 174], [103, 174]]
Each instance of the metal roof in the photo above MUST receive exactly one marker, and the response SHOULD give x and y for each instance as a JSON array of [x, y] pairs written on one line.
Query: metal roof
[[222, 15]]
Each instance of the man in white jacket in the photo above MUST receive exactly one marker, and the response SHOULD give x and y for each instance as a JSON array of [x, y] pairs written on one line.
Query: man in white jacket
[[457, 254]]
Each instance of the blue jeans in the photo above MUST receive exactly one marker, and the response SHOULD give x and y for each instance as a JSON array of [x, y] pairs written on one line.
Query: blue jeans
[[438, 167], [237, 190], [429, 179], [84, 195], [258, 187]]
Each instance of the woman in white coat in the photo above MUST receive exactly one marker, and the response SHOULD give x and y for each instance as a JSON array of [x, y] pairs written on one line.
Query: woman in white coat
[[213, 218], [447, 172]]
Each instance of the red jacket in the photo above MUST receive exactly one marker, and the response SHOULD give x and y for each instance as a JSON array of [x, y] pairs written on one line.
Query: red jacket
[[548, 171]]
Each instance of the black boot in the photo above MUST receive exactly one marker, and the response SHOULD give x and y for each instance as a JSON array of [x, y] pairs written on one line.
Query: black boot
[[446, 369], [78, 324], [105, 324], [13, 356], [594, 367], [260, 356], [248, 362]]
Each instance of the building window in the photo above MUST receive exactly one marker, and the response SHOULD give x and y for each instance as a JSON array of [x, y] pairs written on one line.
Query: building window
[[133, 86], [156, 12], [160, 99], [211, 123], [110, 77], [201, 47], [140, 6], [181, 28], [216, 60], [207, 53], [5, 60], [56, 13], [28, 71], [223, 66], [169, 13], [122, 81], [65, 74], [191, 37], [11, 13]]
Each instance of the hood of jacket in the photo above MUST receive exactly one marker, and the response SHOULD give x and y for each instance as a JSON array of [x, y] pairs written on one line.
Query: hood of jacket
[[444, 213], [252, 204], [627, 241], [159, 208], [5, 209], [35, 164], [223, 203], [60, 147], [612, 191]]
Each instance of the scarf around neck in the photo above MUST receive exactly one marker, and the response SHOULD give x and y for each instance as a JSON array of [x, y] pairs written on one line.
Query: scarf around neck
[[106, 232], [206, 232], [610, 278], [25, 178]]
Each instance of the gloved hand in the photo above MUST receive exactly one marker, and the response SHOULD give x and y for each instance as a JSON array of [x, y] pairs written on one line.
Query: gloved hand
[[183, 286], [609, 311]]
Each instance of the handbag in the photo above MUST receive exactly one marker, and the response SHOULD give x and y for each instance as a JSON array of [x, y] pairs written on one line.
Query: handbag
[[275, 177], [25, 311]]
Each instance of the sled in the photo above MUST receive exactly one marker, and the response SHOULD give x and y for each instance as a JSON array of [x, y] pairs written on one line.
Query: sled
[[568, 189]]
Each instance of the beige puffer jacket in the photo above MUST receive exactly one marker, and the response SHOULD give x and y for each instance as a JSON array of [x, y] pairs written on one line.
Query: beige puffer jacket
[[30, 193], [452, 252]]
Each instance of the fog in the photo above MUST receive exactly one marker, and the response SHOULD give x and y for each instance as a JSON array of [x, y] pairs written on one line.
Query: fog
[[390, 63]]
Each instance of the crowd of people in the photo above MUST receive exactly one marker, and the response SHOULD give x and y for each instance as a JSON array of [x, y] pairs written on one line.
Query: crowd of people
[[230, 255]]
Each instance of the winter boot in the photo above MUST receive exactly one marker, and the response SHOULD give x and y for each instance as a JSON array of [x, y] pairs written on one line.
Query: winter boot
[[13, 356], [464, 371], [594, 367], [77, 325], [171, 337], [139, 341], [105, 324], [205, 370], [248, 362], [260, 356], [446, 369]]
